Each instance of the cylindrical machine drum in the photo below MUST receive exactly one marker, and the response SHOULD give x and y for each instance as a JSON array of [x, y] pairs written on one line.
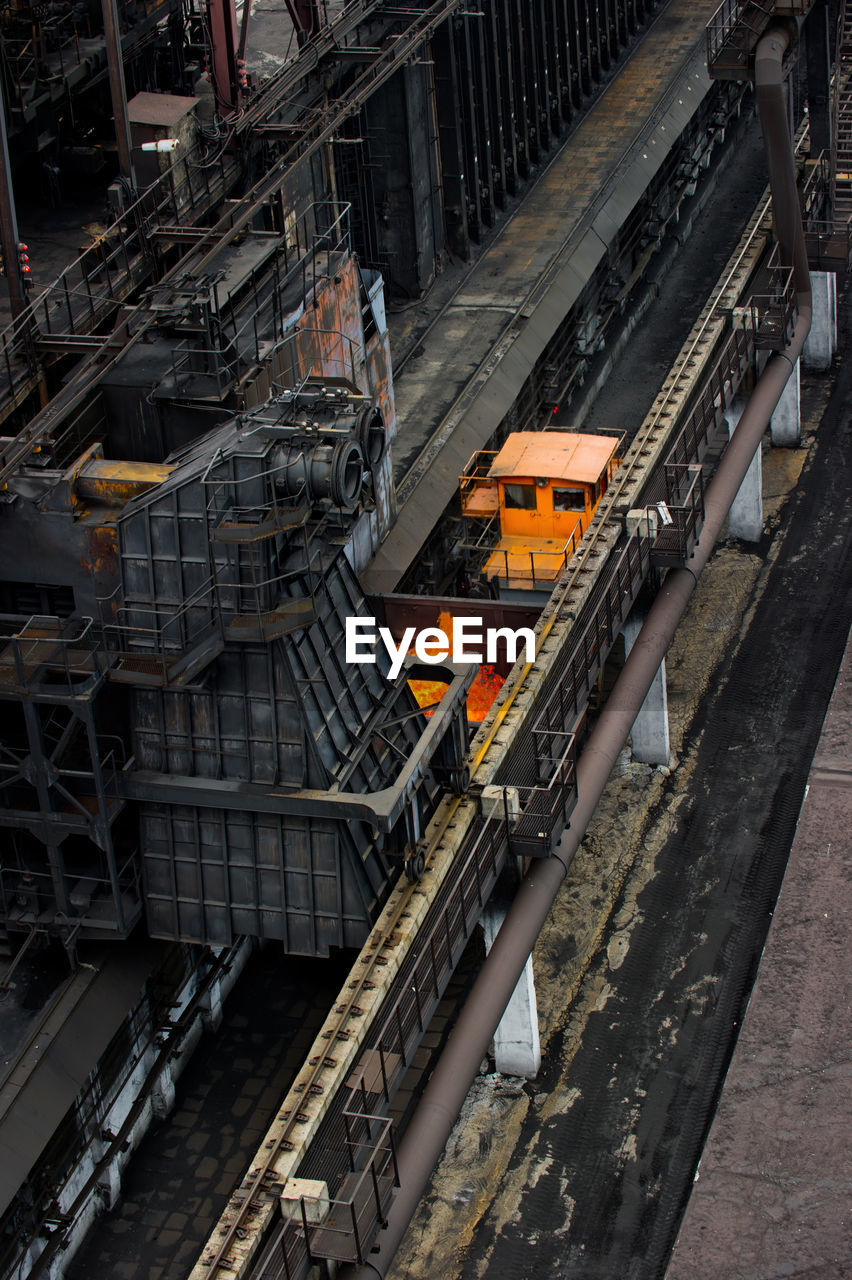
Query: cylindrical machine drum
[[371, 434], [316, 471]]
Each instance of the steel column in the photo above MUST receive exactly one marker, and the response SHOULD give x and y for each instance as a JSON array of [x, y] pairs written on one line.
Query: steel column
[[449, 134], [819, 79], [118, 92]]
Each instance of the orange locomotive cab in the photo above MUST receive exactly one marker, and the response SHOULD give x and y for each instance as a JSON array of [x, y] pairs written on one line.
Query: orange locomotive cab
[[544, 487]]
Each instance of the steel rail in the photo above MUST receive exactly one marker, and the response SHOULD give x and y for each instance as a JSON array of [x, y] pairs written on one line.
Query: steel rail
[[307, 1083], [444, 1094]]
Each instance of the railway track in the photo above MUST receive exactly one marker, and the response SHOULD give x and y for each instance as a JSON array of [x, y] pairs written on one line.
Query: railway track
[[233, 1246]]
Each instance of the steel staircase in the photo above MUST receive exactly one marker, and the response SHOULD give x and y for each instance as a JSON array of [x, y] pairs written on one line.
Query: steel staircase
[[841, 151]]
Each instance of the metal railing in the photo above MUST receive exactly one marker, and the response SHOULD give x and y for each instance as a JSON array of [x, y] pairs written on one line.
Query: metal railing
[[816, 188], [829, 245], [533, 568], [342, 1228], [475, 475], [54, 44], [305, 254], [151, 627], [26, 896], [389, 1049], [773, 312], [720, 35], [546, 807], [737, 25], [715, 396], [566, 688], [674, 542], [103, 275], [49, 653]]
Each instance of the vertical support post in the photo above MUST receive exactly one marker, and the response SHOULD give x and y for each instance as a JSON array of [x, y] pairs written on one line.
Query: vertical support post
[[785, 425], [118, 92], [163, 1093], [821, 342], [211, 1006], [449, 131], [9, 224], [649, 736], [745, 519], [819, 79], [224, 40], [517, 1047]]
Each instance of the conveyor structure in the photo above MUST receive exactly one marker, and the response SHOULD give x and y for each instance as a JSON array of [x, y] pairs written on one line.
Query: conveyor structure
[[199, 488]]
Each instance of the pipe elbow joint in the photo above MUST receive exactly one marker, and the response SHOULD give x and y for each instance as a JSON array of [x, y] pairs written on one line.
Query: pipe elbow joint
[[770, 51]]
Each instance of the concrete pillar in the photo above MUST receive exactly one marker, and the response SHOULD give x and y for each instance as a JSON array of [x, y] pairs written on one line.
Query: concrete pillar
[[109, 1184], [163, 1093], [649, 737], [821, 342], [785, 425], [517, 1049], [210, 1006], [745, 520]]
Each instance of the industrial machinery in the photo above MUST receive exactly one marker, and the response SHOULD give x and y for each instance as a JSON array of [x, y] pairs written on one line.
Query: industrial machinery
[[531, 502], [181, 733]]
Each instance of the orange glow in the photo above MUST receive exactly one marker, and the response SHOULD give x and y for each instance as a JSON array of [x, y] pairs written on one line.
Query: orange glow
[[486, 685]]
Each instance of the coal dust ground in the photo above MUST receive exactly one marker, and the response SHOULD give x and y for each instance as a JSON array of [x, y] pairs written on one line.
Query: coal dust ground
[[648, 958]]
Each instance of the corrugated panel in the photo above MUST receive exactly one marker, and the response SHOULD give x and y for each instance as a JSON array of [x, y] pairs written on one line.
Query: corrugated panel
[[301, 882]]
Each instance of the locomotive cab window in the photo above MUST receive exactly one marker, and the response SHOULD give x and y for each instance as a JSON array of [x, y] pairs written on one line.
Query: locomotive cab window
[[519, 497], [569, 499]]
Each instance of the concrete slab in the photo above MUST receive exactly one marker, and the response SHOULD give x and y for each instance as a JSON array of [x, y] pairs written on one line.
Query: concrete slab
[[774, 1186]]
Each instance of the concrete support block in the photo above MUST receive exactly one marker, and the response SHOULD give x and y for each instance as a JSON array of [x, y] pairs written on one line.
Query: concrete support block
[[163, 1093], [785, 425], [315, 1195], [499, 802], [517, 1048], [821, 342], [210, 1005], [649, 736], [109, 1184], [746, 516]]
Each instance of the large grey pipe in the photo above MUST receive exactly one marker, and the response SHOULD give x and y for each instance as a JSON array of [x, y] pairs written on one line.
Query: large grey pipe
[[426, 1135]]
